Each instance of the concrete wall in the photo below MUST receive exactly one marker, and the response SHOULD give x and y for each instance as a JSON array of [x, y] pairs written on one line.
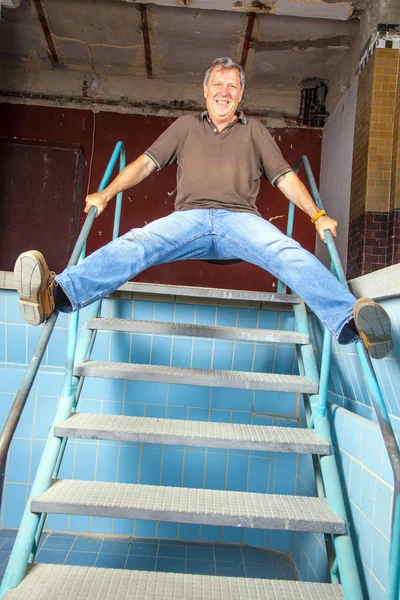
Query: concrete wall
[[336, 164]]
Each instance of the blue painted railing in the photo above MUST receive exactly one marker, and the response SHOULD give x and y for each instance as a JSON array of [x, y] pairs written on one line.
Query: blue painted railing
[[32, 523], [320, 421]]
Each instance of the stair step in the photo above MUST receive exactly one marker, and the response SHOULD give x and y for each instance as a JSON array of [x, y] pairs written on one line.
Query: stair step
[[60, 582], [204, 377], [188, 505], [192, 433], [162, 328]]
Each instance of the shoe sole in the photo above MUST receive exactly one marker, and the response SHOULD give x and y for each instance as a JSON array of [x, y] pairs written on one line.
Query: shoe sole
[[30, 276], [373, 324]]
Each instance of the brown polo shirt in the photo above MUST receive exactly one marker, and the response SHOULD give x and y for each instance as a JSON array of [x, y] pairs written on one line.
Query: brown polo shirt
[[218, 169]]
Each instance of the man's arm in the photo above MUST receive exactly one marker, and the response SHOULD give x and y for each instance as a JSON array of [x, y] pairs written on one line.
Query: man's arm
[[291, 186], [133, 174]]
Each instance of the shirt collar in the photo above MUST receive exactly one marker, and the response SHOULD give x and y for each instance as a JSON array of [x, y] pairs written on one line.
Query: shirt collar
[[240, 116]]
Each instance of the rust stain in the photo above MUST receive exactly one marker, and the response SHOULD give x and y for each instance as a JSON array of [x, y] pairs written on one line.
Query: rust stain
[[146, 39], [248, 38], [46, 30]]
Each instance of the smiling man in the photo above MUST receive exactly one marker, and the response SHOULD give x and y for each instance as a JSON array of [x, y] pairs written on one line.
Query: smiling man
[[221, 155]]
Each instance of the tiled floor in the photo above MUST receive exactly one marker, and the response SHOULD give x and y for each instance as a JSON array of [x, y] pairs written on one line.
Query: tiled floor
[[160, 555]]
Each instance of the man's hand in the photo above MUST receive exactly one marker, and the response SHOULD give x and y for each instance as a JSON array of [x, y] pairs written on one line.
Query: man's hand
[[323, 224], [98, 200]]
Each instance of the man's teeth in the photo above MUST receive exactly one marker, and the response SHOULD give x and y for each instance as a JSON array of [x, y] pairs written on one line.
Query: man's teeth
[[222, 102]]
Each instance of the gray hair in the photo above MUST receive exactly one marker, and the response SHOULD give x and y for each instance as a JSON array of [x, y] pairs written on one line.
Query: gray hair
[[225, 63]]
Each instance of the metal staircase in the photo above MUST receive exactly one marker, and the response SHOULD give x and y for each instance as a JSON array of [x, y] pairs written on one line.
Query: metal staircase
[[183, 505]]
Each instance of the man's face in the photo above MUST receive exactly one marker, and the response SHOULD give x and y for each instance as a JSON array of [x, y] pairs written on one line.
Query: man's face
[[223, 93]]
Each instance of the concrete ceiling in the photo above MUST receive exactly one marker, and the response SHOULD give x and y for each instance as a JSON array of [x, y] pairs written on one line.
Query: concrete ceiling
[[172, 42]]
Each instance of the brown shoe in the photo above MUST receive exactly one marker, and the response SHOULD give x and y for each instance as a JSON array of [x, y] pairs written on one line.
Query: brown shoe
[[373, 325], [34, 283]]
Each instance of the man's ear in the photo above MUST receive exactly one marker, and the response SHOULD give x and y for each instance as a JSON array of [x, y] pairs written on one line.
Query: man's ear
[[204, 90], [241, 94]]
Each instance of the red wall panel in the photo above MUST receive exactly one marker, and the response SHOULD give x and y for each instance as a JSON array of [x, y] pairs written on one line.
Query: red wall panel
[[154, 197]]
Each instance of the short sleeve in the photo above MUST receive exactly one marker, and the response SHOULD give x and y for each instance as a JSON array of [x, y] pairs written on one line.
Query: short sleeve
[[164, 151], [272, 162]]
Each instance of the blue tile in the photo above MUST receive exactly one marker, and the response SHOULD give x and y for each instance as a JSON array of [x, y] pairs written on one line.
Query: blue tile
[[209, 533], [101, 525], [254, 537], [189, 532], [56, 557], [377, 592], [175, 551], [57, 348], [171, 565], [223, 355], [3, 295], [365, 535], [243, 357], [6, 401], [268, 319], [237, 473], [187, 395], [16, 343], [200, 567], [57, 522], [220, 416], [226, 316], [107, 461], [380, 560], [141, 563], [176, 412], [143, 310], [81, 559], [215, 472], [25, 425], [264, 358], [140, 351], [10, 379], [14, 504], [85, 466], [284, 478], [13, 313], [194, 469], [383, 507], [241, 417], [161, 350], [226, 569], [171, 473], [115, 547], [59, 542], [352, 436], [90, 406], [228, 554], [184, 313], [145, 528], [2, 343], [111, 561], [198, 414], [247, 317], [123, 527], [128, 464], [281, 540], [232, 399], [18, 461], [167, 531], [202, 354], [284, 359], [200, 552], [155, 411], [139, 548], [205, 315], [232, 535], [368, 494], [122, 308], [120, 347], [260, 571], [111, 407], [150, 467], [164, 311], [101, 347], [90, 545], [181, 352], [143, 391], [79, 523], [36, 455], [287, 321], [258, 475], [133, 410], [46, 407]]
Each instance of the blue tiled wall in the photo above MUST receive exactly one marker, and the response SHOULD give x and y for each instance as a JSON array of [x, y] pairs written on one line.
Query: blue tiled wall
[[363, 462], [152, 464]]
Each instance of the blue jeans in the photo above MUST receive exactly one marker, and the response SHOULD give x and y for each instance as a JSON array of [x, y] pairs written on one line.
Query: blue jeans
[[211, 234]]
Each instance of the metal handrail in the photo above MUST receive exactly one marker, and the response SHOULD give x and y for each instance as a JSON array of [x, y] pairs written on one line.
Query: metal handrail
[[378, 402], [31, 525]]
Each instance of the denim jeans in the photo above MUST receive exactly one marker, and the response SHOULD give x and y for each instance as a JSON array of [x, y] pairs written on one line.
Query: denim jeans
[[211, 234]]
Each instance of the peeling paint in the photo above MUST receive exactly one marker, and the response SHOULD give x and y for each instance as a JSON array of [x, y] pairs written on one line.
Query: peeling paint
[[277, 217]]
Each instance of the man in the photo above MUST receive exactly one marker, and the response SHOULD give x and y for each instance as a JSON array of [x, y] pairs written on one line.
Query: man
[[220, 155]]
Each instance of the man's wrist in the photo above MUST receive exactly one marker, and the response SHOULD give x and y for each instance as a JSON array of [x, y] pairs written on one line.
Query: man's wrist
[[318, 215]]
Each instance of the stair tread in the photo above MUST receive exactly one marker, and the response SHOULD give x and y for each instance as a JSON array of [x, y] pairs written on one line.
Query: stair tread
[[62, 582], [187, 329], [190, 376], [192, 433], [188, 505]]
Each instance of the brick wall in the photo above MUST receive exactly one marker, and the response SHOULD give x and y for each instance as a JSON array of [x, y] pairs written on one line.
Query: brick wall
[[374, 232]]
